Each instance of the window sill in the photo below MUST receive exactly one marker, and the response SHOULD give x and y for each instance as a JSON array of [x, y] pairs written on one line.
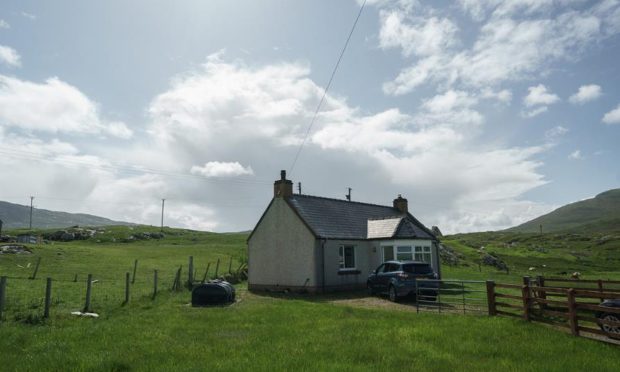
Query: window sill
[[349, 272]]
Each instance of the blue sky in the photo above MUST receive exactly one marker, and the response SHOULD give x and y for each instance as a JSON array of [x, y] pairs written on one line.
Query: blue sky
[[482, 113]]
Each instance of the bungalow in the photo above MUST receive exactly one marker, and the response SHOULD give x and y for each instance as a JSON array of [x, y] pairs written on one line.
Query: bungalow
[[316, 244]]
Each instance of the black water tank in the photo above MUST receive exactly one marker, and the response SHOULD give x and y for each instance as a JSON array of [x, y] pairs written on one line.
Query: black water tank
[[217, 292]]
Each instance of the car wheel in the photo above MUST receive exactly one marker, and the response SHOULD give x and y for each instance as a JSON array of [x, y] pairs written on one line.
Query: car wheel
[[371, 291], [392, 294], [614, 330]]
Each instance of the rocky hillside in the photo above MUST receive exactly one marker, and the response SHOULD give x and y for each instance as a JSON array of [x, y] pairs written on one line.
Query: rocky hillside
[[599, 214]]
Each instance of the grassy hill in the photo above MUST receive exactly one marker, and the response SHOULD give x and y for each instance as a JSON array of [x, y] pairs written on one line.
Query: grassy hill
[[260, 331], [599, 214], [16, 216]]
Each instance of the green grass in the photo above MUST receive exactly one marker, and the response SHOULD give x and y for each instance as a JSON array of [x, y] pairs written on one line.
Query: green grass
[[259, 332], [265, 333]]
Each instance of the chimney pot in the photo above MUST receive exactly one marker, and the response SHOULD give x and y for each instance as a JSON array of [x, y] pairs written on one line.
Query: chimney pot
[[282, 188]]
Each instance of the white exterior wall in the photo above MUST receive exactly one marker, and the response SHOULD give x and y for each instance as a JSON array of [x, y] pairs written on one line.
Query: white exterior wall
[[334, 275], [281, 250]]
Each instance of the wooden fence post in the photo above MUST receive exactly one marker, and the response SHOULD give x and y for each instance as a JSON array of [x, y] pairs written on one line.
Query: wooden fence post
[[75, 278], [600, 285], [135, 268], [89, 285], [572, 312], [190, 272], [204, 278], [540, 281], [2, 295], [491, 297], [126, 288], [525, 293], [48, 298], [230, 265], [217, 267], [154, 284]]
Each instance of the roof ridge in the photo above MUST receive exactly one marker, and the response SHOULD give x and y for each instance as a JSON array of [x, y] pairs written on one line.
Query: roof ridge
[[400, 217], [340, 200]]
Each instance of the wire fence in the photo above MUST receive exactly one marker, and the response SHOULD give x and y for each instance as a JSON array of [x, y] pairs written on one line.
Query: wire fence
[[33, 298]]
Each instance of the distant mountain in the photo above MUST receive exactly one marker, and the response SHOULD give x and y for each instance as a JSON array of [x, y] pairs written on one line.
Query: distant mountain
[[599, 214], [16, 216]]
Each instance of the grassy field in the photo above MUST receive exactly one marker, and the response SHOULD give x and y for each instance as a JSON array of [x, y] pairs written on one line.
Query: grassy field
[[259, 332], [594, 255]]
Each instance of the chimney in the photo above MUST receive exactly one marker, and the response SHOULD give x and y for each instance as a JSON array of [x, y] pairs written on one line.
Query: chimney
[[282, 188], [400, 203]]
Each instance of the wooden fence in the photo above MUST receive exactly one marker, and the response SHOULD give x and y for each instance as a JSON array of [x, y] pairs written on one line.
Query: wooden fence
[[577, 309]]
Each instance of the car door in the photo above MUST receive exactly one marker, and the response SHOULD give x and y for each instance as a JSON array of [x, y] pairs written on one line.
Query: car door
[[384, 276], [374, 278]]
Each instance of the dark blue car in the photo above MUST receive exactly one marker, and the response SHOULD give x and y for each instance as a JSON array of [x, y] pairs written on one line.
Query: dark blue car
[[398, 279]]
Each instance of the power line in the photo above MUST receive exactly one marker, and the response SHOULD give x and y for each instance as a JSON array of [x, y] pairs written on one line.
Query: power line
[[329, 83]]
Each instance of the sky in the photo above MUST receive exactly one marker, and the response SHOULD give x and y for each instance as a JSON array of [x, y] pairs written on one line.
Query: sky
[[483, 114]]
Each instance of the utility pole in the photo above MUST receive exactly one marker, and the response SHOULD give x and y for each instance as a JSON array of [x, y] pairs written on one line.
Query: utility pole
[[299, 187], [348, 196], [162, 214], [31, 199]]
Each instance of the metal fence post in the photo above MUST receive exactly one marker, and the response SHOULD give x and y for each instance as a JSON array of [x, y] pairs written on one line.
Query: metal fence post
[[89, 285], [2, 295], [135, 268], [154, 284], [48, 298], [126, 288], [417, 297], [190, 272], [36, 269]]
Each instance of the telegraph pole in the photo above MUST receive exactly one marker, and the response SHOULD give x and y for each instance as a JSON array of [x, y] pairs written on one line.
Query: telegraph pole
[[299, 187], [31, 199], [348, 196], [162, 214]]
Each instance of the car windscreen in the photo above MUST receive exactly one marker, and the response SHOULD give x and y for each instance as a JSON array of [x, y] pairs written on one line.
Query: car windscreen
[[417, 269]]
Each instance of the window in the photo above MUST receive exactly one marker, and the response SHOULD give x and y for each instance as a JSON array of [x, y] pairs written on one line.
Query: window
[[388, 253], [403, 253], [423, 254], [347, 257]]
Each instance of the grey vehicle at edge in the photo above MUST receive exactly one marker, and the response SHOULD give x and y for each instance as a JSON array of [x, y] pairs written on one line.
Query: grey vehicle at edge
[[613, 331], [398, 279]]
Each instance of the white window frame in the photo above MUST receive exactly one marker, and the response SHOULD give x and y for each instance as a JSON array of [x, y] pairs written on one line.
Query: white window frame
[[341, 257], [402, 249], [419, 249], [384, 249], [424, 252]]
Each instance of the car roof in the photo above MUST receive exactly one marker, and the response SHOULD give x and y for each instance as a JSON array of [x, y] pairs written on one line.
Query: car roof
[[407, 262]]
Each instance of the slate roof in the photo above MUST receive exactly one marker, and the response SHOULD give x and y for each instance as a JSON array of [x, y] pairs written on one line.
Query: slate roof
[[342, 219]]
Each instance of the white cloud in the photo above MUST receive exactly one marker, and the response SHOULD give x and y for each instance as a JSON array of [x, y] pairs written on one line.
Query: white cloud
[[222, 169], [9, 56], [53, 106], [517, 40], [30, 16], [586, 94], [534, 112], [613, 116], [537, 100], [4, 24], [420, 37], [539, 95], [575, 155], [503, 96], [556, 132], [265, 112]]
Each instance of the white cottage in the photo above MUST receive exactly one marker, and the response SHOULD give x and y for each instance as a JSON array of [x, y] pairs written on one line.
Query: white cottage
[[316, 244]]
